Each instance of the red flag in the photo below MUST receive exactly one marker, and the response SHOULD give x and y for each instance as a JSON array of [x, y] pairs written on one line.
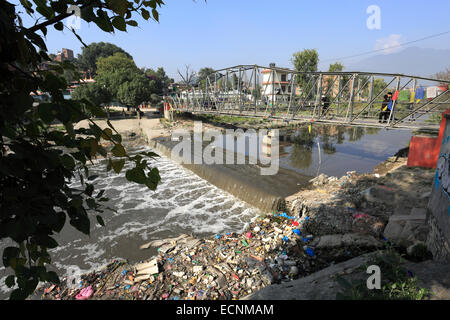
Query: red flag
[[395, 96]]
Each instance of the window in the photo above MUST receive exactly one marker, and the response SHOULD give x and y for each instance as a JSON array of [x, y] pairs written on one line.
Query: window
[[283, 77]]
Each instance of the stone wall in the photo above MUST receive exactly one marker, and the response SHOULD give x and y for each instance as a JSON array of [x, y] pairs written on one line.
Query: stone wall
[[438, 241]]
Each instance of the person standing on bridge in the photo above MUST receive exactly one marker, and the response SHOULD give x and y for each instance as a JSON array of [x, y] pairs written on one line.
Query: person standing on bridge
[[326, 104], [384, 111]]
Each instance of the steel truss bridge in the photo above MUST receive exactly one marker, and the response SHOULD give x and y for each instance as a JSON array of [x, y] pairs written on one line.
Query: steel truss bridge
[[354, 97]]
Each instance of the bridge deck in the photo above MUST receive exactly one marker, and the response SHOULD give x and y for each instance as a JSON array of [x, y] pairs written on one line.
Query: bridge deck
[[368, 122]]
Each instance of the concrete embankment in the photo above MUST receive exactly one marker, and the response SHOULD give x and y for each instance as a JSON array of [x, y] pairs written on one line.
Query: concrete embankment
[[244, 181]]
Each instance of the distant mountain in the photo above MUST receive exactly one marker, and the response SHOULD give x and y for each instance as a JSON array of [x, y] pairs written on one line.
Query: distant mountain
[[411, 61]]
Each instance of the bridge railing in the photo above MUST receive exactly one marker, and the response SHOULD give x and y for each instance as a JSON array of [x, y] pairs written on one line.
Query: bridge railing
[[351, 97]]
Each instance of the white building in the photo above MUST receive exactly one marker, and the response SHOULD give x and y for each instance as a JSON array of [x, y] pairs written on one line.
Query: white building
[[275, 83]]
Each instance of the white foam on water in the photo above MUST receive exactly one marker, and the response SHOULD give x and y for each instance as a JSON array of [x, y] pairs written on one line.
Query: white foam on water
[[182, 203]]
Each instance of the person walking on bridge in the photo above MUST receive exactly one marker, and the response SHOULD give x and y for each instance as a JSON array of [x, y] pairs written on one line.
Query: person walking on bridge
[[326, 105], [384, 111]]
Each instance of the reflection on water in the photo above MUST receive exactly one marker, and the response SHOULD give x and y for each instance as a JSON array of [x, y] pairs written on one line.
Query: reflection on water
[[341, 149]]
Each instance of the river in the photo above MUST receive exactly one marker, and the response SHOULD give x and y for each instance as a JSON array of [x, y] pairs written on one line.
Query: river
[[185, 203]]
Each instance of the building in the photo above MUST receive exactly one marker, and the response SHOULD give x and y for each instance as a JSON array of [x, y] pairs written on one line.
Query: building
[[64, 55], [75, 84], [275, 83]]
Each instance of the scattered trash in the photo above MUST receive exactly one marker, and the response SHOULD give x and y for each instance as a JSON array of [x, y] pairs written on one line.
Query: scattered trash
[[225, 266], [272, 249], [310, 252], [85, 293]]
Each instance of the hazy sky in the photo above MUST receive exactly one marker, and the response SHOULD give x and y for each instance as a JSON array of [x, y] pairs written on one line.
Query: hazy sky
[[222, 33]]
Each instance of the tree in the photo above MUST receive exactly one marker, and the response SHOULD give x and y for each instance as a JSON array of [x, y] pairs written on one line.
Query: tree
[[305, 61], [37, 162], [134, 92], [87, 60], [206, 72], [93, 92], [378, 86], [158, 80], [188, 76], [335, 67], [234, 81], [118, 74], [443, 75], [203, 74]]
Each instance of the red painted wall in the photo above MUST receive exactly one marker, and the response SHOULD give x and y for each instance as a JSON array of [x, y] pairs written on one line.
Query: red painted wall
[[424, 151]]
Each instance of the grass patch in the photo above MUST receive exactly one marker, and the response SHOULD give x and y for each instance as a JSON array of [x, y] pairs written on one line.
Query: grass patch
[[397, 283]]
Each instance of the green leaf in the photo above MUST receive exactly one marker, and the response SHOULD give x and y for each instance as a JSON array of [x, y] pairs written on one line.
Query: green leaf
[[102, 151], [18, 294], [151, 154], [46, 112], [91, 203], [47, 241], [117, 138], [53, 277], [100, 220], [118, 165], [136, 175], [119, 23], [45, 11], [96, 131], [107, 134], [89, 189], [81, 223], [61, 220], [145, 14], [68, 162], [132, 23], [104, 24], [10, 281], [10, 253], [93, 146], [118, 6], [109, 165], [111, 126], [100, 193], [119, 151], [155, 14], [59, 26]]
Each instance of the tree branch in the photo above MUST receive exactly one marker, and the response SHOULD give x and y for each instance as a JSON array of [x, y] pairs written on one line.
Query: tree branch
[[56, 19]]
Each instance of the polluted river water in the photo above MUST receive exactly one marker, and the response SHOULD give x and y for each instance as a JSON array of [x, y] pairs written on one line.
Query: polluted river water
[[182, 203], [187, 204]]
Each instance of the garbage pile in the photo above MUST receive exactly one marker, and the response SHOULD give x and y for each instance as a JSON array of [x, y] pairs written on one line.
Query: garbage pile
[[339, 206], [228, 266]]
